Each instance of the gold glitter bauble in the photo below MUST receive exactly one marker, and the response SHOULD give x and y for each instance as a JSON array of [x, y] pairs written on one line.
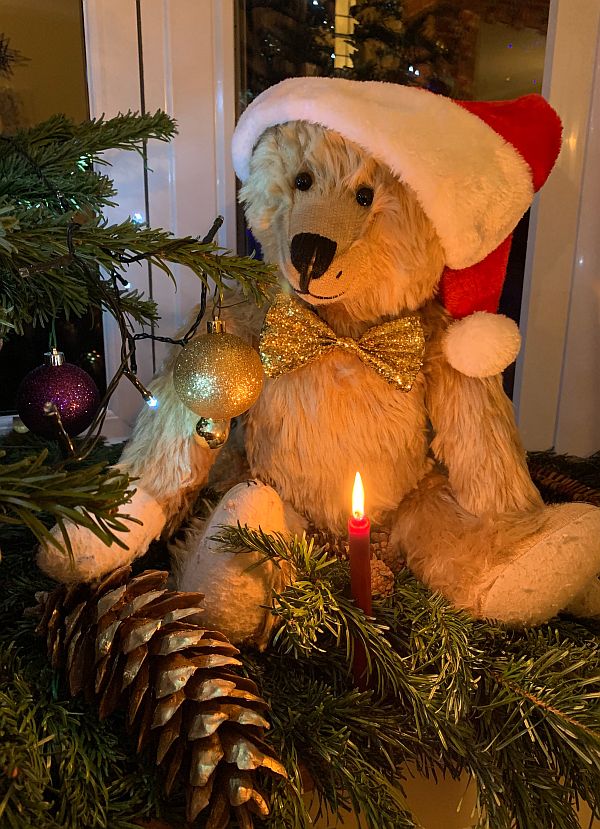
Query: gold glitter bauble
[[218, 376]]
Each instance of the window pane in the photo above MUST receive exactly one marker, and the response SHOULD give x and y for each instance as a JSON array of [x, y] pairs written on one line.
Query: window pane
[[469, 49]]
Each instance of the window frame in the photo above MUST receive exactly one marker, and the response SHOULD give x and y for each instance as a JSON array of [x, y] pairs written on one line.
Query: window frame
[[557, 378]]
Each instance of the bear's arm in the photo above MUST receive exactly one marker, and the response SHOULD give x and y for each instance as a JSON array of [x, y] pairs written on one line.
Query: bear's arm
[[169, 462], [475, 434], [164, 452]]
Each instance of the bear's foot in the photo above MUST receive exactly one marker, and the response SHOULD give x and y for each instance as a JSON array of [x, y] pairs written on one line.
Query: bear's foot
[[237, 595], [520, 568], [554, 569], [90, 557]]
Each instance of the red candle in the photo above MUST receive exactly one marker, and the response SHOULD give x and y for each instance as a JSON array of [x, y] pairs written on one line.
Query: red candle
[[359, 537]]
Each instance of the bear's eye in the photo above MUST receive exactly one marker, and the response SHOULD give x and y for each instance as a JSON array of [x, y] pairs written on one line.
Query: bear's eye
[[303, 181], [364, 196]]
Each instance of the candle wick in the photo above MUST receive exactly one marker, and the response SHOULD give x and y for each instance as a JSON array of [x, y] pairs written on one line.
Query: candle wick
[[358, 515]]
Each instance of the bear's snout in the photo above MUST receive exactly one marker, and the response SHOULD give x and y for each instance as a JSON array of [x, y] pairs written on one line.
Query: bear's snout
[[311, 255]]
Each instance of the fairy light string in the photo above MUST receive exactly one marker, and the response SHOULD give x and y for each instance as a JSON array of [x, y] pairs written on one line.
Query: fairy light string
[[128, 365], [110, 291]]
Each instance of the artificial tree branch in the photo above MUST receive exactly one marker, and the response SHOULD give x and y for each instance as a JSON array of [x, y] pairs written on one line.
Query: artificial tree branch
[[58, 288], [32, 492]]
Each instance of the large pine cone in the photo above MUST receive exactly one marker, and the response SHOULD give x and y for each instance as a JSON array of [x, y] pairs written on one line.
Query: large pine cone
[[124, 642]]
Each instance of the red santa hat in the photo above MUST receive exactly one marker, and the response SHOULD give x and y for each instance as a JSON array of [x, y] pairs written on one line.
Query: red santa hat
[[474, 166]]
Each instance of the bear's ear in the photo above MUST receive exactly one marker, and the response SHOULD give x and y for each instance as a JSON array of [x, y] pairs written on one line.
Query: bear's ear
[[482, 344], [265, 191]]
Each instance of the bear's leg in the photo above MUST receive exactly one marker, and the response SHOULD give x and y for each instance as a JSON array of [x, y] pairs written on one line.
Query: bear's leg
[[517, 567], [237, 595], [587, 603]]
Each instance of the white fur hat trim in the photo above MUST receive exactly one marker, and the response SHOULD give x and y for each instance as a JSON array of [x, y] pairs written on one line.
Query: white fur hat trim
[[447, 155], [482, 345]]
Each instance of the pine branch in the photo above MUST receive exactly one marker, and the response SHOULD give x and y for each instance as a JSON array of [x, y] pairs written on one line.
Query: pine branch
[[31, 196], [31, 491], [519, 712], [300, 552], [9, 58], [538, 719], [523, 719], [8, 223], [52, 161], [55, 251], [320, 735], [93, 136], [48, 178], [317, 618], [444, 645], [207, 261], [58, 765], [71, 289], [551, 705]]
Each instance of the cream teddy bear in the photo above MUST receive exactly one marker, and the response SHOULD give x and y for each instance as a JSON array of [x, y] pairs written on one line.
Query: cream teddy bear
[[388, 211]]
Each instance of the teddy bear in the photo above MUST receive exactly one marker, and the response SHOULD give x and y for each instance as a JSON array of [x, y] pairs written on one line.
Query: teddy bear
[[388, 211]]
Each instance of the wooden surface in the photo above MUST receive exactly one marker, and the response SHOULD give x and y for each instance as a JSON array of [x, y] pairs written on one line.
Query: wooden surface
[[447, 804]]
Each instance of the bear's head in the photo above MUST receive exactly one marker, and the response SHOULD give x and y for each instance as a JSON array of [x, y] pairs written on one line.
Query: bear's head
[[340, 226], [373, 197]]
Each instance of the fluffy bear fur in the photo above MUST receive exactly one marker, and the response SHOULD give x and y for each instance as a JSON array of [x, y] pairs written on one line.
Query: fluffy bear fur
[[442, 464]]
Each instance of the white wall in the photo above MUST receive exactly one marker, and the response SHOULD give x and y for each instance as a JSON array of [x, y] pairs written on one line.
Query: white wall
[[53, 78], [578, 421]]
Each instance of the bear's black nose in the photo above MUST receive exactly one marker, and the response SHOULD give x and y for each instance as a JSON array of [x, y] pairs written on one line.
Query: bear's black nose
[[311, 256]]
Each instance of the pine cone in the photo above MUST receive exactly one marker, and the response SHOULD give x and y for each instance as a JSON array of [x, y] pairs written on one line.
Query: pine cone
[[382, 578], [380, 547], [125, 643]]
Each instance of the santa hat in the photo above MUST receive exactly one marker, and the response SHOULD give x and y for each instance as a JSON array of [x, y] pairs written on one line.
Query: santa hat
[[474, 166]]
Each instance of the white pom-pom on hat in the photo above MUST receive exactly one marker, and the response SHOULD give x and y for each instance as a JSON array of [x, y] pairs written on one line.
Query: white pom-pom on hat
[[482, 344]]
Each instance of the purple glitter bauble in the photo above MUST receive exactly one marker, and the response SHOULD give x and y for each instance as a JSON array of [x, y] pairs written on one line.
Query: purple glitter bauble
[[69, 387]]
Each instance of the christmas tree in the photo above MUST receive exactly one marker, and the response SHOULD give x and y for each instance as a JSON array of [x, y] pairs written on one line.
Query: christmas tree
[[58, 258], [388, 45]]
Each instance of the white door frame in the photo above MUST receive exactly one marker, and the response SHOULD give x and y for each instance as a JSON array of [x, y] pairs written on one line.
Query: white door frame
[[176, 55], [186, 49]]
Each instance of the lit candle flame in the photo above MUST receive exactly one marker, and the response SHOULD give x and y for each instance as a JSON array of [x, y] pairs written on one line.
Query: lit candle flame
[[358, 497]]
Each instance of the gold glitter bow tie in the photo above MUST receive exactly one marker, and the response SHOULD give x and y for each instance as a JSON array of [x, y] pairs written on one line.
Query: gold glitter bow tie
[[293, 336]]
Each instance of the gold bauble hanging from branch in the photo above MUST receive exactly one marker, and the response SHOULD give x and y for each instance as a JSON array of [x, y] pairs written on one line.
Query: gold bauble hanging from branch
[[218, 376]]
